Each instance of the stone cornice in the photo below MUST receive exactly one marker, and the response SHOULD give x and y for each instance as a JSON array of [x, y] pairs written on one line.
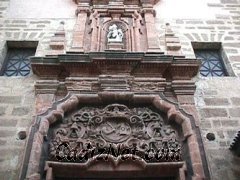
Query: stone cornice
[[124, 2], [132, 63]]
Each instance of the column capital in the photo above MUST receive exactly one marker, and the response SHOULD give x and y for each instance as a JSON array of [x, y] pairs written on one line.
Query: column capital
[[83, 9], [83, 6], [82, 1], [149, 11], [152, 2]]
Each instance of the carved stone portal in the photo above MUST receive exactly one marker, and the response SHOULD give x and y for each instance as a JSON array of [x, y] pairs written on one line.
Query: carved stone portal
[[115, 130]]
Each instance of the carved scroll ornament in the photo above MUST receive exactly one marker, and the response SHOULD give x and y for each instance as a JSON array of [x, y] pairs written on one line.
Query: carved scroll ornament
[[114, 129]]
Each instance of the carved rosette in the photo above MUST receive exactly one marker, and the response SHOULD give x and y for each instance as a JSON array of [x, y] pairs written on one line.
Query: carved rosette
[[115, 127]]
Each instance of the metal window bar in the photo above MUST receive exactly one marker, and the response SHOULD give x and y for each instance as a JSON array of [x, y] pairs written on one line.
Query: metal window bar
[[17, 62], [212, 63]]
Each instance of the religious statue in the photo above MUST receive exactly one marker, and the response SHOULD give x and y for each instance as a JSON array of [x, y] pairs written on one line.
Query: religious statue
[[114, 34]]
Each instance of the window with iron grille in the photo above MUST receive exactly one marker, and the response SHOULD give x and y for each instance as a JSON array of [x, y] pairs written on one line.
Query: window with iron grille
[[17, 62], [212, 63]]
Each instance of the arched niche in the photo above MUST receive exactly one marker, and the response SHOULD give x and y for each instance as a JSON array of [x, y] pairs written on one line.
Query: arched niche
[[121, 24], [191, 165]]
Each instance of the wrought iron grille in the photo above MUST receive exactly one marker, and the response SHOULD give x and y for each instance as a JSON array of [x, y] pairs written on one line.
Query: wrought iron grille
[[17, 62], [212, 64]]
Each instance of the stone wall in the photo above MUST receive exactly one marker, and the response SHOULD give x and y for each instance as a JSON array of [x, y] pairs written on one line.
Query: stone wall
[[217, 99], [17, 96], [16, 114]]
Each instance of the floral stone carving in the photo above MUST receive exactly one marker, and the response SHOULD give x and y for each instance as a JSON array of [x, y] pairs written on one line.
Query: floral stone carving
[[115, 130]]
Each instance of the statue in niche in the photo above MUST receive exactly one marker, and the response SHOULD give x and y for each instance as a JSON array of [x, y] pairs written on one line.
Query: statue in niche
[[114, 34]]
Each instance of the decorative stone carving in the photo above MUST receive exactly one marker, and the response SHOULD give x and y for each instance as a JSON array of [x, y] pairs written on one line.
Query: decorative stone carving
[[115, 34], [115, 127], [148, 85]]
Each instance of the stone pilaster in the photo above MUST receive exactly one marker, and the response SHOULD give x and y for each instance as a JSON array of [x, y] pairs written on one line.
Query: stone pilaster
[[152, 39], [80, 26]]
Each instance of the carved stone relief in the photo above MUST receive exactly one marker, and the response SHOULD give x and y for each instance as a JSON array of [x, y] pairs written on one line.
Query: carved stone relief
[[115, 34], [115, 128], [148, 86]]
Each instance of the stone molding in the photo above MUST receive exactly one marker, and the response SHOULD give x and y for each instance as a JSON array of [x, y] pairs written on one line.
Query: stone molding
[[114, 83], [117, 2], [135, 64]]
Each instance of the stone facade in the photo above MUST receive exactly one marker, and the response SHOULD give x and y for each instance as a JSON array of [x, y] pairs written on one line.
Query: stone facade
[[216, 99]]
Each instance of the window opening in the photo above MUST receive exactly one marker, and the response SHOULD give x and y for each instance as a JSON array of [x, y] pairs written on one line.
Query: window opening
[[17, 62]]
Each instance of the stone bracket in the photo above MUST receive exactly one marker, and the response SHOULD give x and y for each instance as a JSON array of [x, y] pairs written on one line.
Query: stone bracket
[[181, 87], [46, 86]]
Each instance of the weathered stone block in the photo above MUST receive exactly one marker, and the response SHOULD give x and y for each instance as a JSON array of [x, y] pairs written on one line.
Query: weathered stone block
[[19, 21], [5, 175], [234, 58], [229, 1], [7, 122], [172, 40], [216, 123], [222, 143], [10, 99], [24, 122], [213, 112], [2, 142], [216, 101], [206, 27], [230, 123], [20, 111], [231, 133], [232, 51], [235, 45], [2, 110], [7, 133], [235, 101], [214, 22], [234, 112], [173, 46], [206, 125], [210, 92], [194, 22], [215, 5], [220, 134]]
